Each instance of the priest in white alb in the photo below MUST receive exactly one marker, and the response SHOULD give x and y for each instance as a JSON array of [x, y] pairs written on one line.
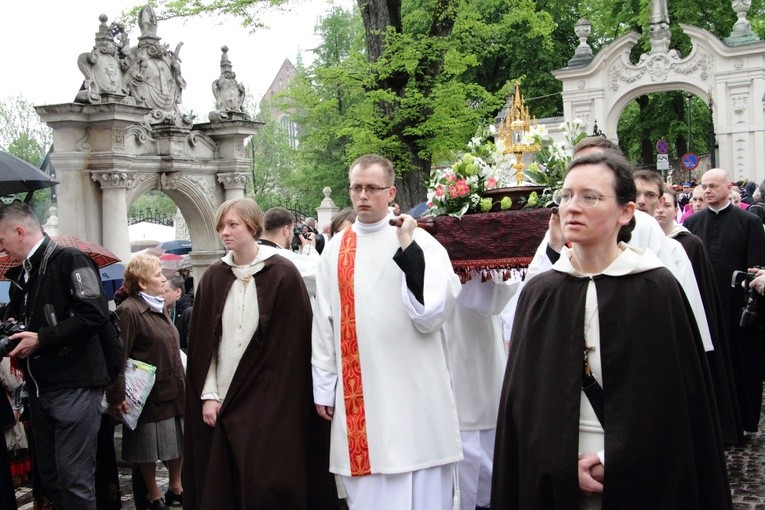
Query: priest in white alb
[[477, 360], [379, 363]]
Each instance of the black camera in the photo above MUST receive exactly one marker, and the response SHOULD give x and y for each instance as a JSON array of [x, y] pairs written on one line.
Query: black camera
[[302, 230], [752, 313], [7, 329]]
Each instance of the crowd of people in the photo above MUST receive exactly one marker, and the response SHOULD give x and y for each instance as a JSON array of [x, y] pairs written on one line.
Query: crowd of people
[[350, 367]]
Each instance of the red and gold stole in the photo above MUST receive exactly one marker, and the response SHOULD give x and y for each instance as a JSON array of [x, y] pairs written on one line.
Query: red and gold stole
[[355, 417]]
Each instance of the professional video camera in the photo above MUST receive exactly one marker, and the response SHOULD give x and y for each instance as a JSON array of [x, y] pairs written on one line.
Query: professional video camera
[[7, 329], [752, 313]]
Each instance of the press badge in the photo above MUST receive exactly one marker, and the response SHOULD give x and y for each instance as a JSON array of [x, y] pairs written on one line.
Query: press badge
[[85, 283]]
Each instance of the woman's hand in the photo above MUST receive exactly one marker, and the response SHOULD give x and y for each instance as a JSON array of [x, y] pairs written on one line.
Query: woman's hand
[[120, 409], [590, 474], [210, 411], [557, 241]]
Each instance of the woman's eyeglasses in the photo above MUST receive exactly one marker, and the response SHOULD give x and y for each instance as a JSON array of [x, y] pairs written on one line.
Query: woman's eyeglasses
[[586, 199]]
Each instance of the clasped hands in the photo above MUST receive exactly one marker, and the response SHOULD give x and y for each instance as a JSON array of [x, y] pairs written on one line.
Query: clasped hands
[[591, 472]]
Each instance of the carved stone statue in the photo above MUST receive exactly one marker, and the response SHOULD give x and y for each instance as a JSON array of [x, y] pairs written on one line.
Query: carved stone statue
[[154, 74], [102, 69], [229, 94], [147, 22]]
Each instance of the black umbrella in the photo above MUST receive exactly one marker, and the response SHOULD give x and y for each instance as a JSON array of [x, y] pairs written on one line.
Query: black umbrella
[[18, 176]]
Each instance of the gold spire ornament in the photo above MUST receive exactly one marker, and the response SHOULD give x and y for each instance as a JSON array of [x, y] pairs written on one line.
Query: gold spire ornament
[[514, 130]]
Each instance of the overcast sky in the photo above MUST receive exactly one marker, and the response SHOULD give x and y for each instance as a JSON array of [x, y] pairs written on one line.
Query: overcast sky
[[41, 40]]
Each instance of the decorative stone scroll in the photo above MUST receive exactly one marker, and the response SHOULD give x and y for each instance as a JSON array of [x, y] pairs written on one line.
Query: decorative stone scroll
[[229, 94], [659, 66]]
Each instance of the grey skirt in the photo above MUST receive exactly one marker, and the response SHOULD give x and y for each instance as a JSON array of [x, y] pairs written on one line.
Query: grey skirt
[[150, 442]]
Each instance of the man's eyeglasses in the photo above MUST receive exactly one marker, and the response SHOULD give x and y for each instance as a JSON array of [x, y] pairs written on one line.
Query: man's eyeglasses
[[371, 189], [585, 199], [650, 195]]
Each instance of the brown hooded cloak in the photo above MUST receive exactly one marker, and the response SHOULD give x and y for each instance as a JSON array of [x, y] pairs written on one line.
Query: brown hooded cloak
[[269, 448]]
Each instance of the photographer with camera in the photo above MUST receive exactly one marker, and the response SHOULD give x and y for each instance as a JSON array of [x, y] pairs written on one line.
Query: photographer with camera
[[278, 226], [303, 238], [316, 237], [56, 294]]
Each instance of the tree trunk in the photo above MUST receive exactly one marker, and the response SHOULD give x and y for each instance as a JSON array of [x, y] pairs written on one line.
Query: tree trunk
[[378, 16], [411, 186]]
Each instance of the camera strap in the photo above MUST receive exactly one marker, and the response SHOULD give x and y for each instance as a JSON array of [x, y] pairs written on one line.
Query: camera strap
[[590, 385]]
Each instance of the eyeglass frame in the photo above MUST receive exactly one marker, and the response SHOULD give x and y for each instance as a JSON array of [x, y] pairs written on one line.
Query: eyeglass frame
[[370, 189], [598, 197], [650, 195]]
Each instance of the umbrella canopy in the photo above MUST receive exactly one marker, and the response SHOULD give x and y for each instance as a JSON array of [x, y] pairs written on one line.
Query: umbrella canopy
[[178, 246], [418, 210], [18, 176], [111, 278], [100, 255], [173, 263]]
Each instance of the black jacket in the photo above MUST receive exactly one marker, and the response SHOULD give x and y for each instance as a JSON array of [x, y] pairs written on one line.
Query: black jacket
[[67, 309]]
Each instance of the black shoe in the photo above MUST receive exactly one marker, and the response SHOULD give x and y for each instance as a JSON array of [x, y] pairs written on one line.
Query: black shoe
[[172, 498], [158, 504]]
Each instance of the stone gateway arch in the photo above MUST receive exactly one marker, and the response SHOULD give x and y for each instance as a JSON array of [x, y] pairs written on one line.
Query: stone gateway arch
[[125, 135], [730, 73]]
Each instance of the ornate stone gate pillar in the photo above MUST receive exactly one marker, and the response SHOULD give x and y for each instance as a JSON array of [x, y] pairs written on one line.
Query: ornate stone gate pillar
[[114, 211]]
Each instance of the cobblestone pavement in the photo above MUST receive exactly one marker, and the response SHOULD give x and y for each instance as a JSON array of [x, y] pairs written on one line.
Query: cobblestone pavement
[[746, 469]]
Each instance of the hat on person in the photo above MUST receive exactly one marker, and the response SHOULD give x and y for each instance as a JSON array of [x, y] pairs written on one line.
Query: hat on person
[[686, 183]]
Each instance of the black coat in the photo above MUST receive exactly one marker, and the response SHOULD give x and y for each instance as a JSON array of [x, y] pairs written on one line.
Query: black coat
[[720, 365], [735, 241], [662, 441], [70, 354]]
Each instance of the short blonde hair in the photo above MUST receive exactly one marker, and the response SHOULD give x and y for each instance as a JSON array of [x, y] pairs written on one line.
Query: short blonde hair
[[248, 211], [373, 159], [139, 268]]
